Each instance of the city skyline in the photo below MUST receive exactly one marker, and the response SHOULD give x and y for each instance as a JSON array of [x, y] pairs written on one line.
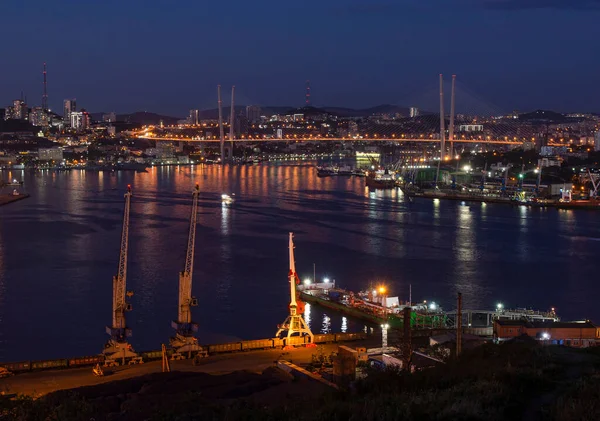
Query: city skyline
[[127, 58]]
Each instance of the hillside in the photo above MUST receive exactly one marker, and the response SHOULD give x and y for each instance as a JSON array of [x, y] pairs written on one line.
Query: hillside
[[521, 380]]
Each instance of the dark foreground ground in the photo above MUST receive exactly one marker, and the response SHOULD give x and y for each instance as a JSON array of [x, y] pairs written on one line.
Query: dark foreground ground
[[514, 381]]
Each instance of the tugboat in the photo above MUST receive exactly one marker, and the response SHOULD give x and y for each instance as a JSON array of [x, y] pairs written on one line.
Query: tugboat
[[380, 180]]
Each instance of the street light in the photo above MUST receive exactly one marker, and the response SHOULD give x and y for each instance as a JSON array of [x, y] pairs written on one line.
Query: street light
[[326, 280], [307, 281], [499, 306]]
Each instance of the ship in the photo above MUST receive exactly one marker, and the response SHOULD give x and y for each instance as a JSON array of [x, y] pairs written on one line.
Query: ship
[[378, 309], [381, 179], [373, 307], [326, 171]]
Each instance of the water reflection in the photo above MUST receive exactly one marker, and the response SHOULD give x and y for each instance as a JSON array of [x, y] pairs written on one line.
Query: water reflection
[[344, 325], [326, 326], [307, 314]]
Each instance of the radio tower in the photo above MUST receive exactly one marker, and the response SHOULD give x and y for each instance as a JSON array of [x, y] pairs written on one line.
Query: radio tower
[[45, 96], [307, 97]]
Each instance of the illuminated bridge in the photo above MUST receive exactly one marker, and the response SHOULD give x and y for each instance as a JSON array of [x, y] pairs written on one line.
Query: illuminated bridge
[[328, 139]]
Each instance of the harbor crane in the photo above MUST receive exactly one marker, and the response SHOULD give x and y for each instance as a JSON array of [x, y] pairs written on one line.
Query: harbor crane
[[117, 346], [184, 340], [294, 324]]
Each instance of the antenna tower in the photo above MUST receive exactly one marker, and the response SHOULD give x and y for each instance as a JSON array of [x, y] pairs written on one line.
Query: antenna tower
[[307, 97], [45, 95]]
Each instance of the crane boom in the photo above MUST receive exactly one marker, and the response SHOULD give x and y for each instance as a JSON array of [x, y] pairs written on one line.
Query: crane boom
[[119, 281], [185, 277]]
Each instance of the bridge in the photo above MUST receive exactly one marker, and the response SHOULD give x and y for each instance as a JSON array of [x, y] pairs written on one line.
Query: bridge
[[328, 139]]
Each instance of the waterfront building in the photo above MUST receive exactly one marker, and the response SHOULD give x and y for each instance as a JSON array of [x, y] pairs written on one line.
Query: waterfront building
[[575, 334], [50, 154]]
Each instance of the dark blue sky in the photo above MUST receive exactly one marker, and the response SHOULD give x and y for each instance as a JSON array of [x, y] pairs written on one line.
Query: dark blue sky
[[168, 55]]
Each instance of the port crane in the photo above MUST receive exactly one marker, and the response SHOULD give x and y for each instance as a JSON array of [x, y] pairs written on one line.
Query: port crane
[[184, 340], [294, 324], [117, 346]]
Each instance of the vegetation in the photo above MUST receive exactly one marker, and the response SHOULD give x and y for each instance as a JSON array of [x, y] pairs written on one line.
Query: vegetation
[[515, 381]]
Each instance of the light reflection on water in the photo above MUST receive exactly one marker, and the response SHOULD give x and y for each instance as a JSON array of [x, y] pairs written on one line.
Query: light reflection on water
[[59, 251]]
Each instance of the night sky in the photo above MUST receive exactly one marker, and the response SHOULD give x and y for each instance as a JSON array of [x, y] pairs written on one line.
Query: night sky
[[168, 56]]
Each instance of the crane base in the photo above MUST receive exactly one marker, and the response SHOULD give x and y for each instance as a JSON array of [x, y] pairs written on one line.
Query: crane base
[[294, 325], [185, 344], [115, 350]]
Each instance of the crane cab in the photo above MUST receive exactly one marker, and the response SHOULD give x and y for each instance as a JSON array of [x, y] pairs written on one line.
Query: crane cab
[[194, 302]]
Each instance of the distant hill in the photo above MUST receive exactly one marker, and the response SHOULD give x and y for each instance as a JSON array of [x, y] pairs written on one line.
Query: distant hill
[[145, 118], [337, 111], [542, 116]]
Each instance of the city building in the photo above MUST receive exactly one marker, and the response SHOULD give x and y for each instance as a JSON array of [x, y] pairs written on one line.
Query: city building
[[253, 113], [69, 106], [109, 117], [574, 334], [193, 118], [80, 120], [414, 112], [597, 141], [17, 111], [50, 154], [38, 117]]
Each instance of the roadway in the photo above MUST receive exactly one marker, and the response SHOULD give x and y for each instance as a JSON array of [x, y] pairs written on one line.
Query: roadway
[[40, 383], [331, 139]]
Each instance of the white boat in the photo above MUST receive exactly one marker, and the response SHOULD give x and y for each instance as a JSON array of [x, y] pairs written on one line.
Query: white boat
[[227, 199]]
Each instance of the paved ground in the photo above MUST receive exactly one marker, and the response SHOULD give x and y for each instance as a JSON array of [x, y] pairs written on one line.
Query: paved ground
[[43, 382]]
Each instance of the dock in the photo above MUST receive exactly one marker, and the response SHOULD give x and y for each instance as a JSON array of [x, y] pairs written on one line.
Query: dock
[[5, 199]]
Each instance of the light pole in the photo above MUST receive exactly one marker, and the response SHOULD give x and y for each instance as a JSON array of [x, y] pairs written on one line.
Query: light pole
[[384, 342]]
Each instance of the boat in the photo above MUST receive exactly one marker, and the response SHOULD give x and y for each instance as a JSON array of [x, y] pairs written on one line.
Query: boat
[[357, 172], [227, 199], [326, 171], [345, 170], [381, 179], [377, 309]]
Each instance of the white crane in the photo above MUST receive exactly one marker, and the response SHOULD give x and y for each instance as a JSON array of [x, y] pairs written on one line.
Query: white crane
[[117, 346], [184, 340], [294, 324]]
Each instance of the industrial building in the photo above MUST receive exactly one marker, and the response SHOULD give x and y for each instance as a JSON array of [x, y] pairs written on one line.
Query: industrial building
[[574, 334]]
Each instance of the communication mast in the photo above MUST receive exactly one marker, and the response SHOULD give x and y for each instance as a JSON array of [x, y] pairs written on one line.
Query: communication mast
[[117, 346], [184, 340], [45, 95], [294, 324], [307, 97]]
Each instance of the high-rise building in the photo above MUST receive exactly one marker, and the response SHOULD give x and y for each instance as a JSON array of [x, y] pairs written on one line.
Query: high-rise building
[[80, 120], [414, 112], [19, 110], [253, 113], [69, 106], [193, 119], [38, 117], [109, 117]]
